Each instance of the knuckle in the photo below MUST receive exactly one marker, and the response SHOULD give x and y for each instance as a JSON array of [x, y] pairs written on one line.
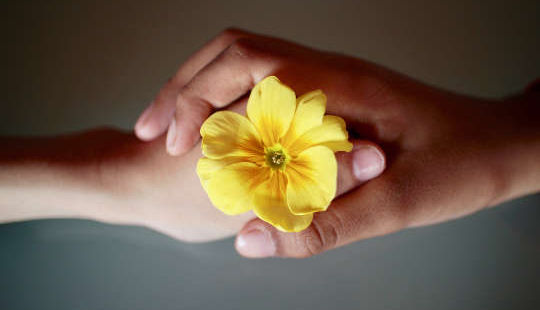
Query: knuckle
[[319, 237], [193, 91], [232, 33], [251, 49], [310, 241], [243, 48], [188, 90], [190, 101]]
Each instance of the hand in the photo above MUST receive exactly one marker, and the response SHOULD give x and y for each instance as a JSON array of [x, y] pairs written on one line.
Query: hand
[[448, 155], [110, 176]]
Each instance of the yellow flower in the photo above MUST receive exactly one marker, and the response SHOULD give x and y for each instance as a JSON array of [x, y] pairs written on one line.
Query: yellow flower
[[279, 161]]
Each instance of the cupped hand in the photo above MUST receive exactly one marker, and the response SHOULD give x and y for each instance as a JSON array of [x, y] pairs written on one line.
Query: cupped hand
[[447, 155]]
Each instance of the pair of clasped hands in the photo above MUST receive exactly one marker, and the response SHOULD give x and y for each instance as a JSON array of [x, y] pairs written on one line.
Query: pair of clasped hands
[[421, 155]]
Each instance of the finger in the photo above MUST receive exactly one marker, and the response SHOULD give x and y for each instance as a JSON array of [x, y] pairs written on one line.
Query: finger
[[365, 162], [226, 78], [157, 116], [345, 221]]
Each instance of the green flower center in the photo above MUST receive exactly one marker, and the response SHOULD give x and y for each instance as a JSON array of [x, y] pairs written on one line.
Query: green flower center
[[276, 157]]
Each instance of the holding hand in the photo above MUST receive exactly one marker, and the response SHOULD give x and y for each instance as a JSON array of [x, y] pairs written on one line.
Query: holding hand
[[448, 155]]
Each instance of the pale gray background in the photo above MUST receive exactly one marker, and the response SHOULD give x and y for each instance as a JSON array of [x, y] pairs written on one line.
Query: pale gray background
[[69, 66]]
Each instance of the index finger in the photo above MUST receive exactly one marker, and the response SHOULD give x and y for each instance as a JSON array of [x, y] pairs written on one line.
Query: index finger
[[225, 79], [154, 120]]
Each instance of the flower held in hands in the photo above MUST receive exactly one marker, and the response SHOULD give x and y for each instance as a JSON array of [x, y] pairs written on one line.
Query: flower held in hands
[[279, 161]]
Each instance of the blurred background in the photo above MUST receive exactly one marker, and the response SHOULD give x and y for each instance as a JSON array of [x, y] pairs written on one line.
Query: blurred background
[[72, 65]]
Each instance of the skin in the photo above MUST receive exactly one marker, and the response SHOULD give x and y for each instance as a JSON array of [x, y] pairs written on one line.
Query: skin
[[111, 176], [447, 155]]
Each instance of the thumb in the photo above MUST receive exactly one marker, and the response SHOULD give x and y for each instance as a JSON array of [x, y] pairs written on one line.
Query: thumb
[[365, 162], [259, 239]]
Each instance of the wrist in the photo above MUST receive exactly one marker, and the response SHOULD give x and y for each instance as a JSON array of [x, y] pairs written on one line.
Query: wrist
[[519, 146], [57, 177], [39, 188]]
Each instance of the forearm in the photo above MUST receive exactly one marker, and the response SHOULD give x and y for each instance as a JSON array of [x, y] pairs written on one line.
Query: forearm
[[109, 176], [55, 177]]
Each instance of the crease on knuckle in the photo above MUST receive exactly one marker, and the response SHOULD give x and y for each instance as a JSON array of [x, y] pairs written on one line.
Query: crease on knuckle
[[197, 94], [198, 108], [320, 236]]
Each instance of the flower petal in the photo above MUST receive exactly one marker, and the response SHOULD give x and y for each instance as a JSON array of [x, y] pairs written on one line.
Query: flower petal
[[312, 180], [227, 133], [270, 205], [332, 134], [310, 109], [271, 108], [206, 167], [231, 188]]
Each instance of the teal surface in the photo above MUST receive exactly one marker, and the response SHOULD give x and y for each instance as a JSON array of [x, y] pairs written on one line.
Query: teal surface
[[75, 65]]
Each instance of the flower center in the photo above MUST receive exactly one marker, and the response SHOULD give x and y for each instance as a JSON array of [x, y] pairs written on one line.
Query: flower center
[[276, 157]]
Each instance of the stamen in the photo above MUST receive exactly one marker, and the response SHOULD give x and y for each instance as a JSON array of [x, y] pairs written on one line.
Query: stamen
[[276, 158]]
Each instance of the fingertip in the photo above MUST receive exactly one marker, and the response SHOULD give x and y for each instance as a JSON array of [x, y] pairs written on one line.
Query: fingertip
[[255, 241], [182, 135], [368, 161], [145, 132], [141, 126], [150, 124]]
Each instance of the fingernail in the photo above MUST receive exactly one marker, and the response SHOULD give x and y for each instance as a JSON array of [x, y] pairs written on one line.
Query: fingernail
[[143, 119], [255, 243], [368, 162], [172, 138]]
